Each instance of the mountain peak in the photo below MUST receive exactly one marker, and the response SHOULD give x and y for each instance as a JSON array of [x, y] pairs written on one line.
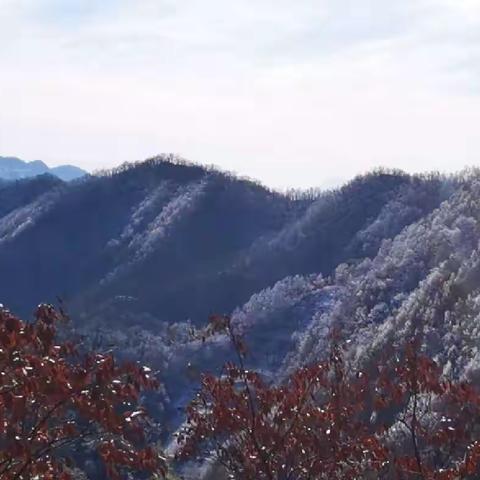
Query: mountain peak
[[37, 164]]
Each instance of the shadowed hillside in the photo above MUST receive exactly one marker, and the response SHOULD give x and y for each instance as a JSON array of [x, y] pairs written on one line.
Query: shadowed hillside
[[178, 241]]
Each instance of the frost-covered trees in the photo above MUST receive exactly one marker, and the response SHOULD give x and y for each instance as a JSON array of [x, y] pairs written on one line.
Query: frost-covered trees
[[425, 279]]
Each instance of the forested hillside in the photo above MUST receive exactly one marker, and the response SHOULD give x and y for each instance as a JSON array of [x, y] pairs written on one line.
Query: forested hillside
[[157, 233], [143, 254]]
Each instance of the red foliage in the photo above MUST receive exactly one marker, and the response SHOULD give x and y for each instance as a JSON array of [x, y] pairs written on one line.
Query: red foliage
[[54, 401], [440, 418], [402, 421]]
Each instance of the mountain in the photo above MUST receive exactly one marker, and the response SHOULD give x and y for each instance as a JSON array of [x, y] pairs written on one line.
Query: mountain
[[142, 253], [12, 168], [160, 232], [68, 172]]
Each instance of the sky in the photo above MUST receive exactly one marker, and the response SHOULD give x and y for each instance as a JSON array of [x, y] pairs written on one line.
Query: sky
[[294, 93]]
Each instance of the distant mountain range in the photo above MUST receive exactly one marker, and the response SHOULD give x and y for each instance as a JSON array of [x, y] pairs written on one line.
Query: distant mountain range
[[12, 168]]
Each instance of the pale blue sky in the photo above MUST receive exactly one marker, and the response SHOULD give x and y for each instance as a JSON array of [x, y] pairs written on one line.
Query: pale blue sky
[[295, 93]]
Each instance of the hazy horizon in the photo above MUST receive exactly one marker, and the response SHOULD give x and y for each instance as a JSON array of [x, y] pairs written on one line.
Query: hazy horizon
[[300, 94]]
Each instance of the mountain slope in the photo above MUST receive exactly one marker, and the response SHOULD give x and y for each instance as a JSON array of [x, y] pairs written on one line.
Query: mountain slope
[[114, 224], [423, 282], [16, 194], [177, 242]]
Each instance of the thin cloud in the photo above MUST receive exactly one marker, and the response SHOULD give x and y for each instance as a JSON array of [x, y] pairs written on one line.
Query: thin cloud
[[277, 90]]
